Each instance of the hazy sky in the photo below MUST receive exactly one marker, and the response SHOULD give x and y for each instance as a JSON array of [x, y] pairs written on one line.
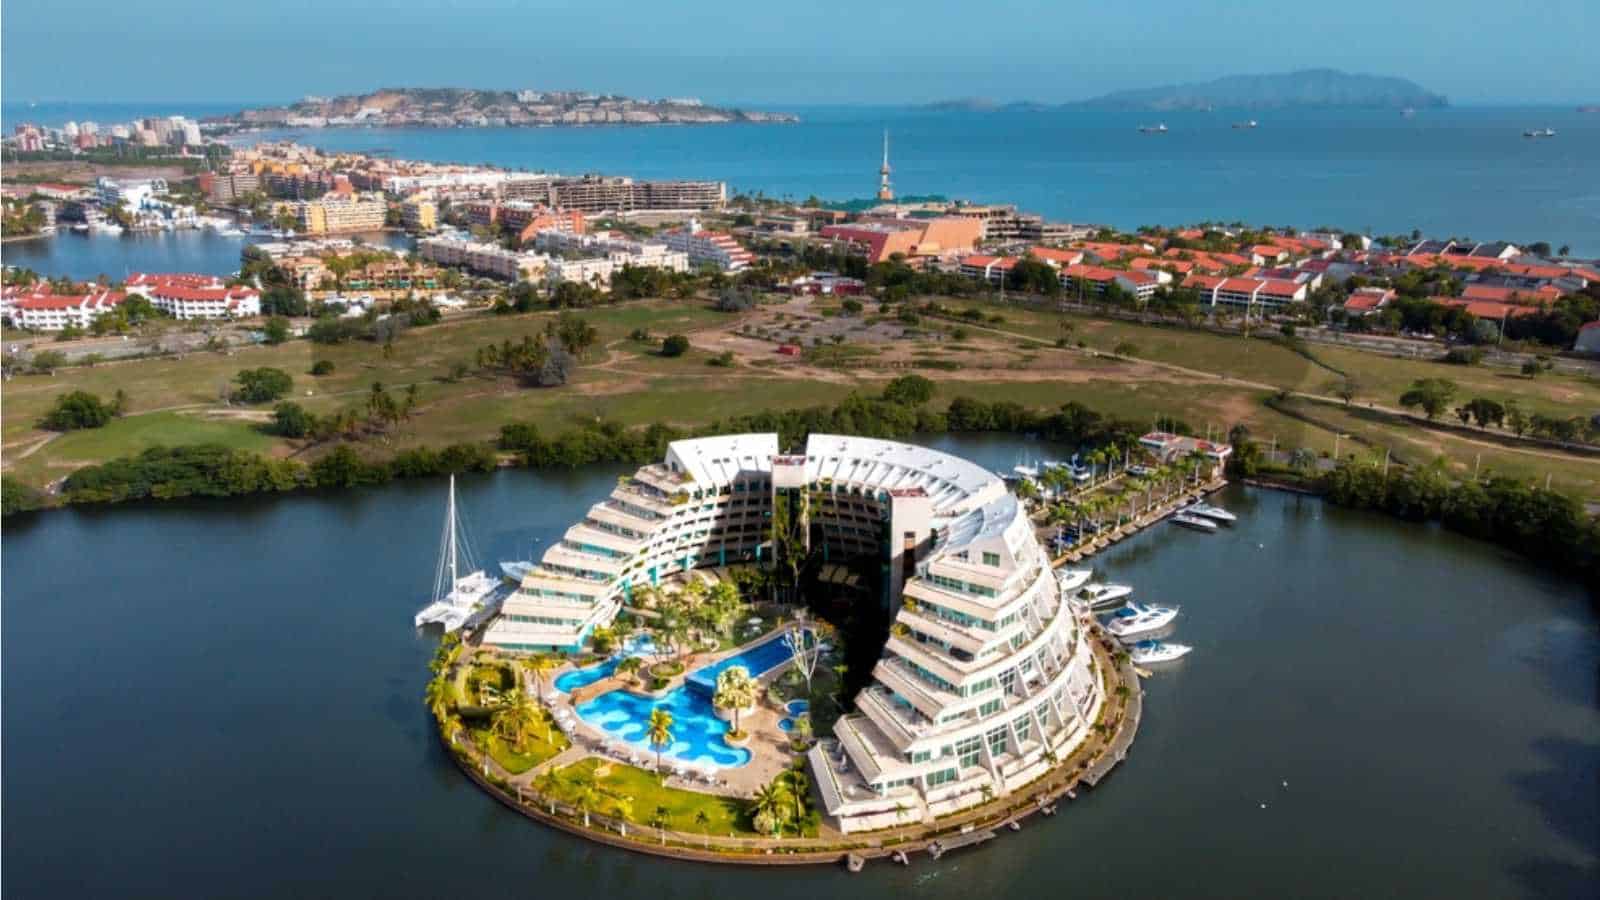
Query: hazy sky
[[823, 51]]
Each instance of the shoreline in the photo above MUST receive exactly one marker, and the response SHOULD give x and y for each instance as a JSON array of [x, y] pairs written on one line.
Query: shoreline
[[992, 819]]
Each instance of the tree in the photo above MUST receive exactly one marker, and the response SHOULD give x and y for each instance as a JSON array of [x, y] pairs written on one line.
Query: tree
[[322, 367], [768, 808], [735, 691], [659, 732], [261, 385], [674, 345], [1432, 394], [909, 390], [290, 419], [516, 717], [75, 410], [1531, 368], [276, 330], [1485, 411]]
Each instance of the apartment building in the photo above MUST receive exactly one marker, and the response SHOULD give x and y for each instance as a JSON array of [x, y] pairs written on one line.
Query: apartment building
[[483, 258], [54, 312], [338, 214], [709, 248], [419, 214]]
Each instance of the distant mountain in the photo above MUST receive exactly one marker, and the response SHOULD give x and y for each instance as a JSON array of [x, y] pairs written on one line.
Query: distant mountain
[[462, 107], [1307, 88], [963, 104]]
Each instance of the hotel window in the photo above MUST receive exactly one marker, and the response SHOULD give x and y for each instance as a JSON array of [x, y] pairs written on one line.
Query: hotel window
[[943, 776], [991, 559]]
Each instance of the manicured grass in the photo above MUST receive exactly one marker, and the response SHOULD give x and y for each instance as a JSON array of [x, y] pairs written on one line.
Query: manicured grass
[[613, 780], [535, 751], [133, 434]]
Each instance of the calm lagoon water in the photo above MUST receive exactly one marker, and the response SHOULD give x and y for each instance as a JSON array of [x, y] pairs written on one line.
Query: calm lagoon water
[[225, 699]]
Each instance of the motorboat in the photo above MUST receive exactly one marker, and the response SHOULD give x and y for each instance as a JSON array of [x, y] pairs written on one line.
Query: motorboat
[[1070, 580], [517, 570], [1539, 133], [1245, 125], [1160, 128], [1096, 595], [1207, 511], [1192, 521], [1134, 619], [457, 599], [1146, 652]]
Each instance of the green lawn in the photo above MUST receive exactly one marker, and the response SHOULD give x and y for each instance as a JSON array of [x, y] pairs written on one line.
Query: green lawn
[[130, 435], [516, 762], [647, 793]]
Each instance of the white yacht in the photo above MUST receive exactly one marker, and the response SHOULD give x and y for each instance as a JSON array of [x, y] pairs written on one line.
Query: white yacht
[[1070, 580], [518, 569], [1207, 511], [1134, 619], [1145, 652], [1192, 521], [458, 599], [1105, 594]]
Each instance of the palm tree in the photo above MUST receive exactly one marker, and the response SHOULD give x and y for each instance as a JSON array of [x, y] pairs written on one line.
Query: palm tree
[[660, 732], [659, 822], [584, 792], [797, 784], [438, 696], [735, 691], [770, 801], [516, 716], [703, 822]]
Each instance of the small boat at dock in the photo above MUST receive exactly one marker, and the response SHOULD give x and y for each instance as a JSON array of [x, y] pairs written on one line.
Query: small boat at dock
[[1071, 580], [1097, 595], [1160, 128], [1146, 652], [1134, 619], [1207, 511], [1192, 521]]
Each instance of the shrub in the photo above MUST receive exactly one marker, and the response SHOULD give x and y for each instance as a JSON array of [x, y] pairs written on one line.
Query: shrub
[[322, 367], [1464, 356], [675, 345], [75, 410], [723, 359], [291, 420], [276, 331], [261, 385]]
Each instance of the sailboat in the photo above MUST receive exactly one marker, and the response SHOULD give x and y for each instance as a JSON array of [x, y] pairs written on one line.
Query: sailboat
[[457, 599]]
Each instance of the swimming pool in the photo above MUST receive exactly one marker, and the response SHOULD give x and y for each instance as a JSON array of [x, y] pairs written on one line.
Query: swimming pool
[[798, 707], [637, 645], [697, 733], [577, 678], [760, 659]]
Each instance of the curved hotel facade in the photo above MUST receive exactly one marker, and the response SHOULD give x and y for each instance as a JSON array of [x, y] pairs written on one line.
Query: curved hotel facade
[[987, 675]]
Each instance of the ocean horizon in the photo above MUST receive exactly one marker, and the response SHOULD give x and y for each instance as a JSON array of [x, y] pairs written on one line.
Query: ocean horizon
[[1464, 171]]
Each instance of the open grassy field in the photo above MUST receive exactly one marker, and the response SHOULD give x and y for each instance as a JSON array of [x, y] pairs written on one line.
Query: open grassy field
[[178, 401], [646, 794]]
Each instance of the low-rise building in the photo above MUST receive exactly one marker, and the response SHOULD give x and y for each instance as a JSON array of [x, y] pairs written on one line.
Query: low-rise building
[[191, 296], [54, 312], [713, 248]]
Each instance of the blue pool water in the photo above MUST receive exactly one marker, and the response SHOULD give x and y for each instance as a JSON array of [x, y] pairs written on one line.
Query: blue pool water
[[697, 733], [786, 724], [759, 660], [577, 678], [798, 707]]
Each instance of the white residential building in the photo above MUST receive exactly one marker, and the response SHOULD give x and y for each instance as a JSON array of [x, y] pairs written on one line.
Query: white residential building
[[54, 312], [988, 672], [714, 248]]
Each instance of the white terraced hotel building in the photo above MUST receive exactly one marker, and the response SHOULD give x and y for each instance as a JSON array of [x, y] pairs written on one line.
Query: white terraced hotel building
[[987, 674]]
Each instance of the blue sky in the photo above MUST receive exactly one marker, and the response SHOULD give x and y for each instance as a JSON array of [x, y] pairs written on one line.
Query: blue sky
[[825, 51]]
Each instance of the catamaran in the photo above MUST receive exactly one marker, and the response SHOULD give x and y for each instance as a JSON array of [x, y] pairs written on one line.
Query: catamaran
[[1145, 652], [1207, 511], [1105, 594], [1070, 580], [458, 599], [1195, 522], [1134, 619]]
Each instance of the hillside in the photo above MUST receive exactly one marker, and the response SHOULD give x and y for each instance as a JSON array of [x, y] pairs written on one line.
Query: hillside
[[1307, 88]]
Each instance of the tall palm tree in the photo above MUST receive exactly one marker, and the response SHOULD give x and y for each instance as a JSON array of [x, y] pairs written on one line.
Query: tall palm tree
[[439, 696], [703, 822], [659, 821], [660, 732], [516, 716], [796, 784], [585, 793]]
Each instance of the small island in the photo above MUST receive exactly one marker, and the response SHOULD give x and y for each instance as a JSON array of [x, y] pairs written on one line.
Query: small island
[[469, 108], [1313, 88]]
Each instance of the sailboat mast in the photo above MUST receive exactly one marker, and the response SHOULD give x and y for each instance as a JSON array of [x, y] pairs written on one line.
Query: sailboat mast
[[452, 526]]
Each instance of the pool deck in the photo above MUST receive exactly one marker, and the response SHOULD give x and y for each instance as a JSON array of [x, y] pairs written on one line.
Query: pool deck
[[768, 744]]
